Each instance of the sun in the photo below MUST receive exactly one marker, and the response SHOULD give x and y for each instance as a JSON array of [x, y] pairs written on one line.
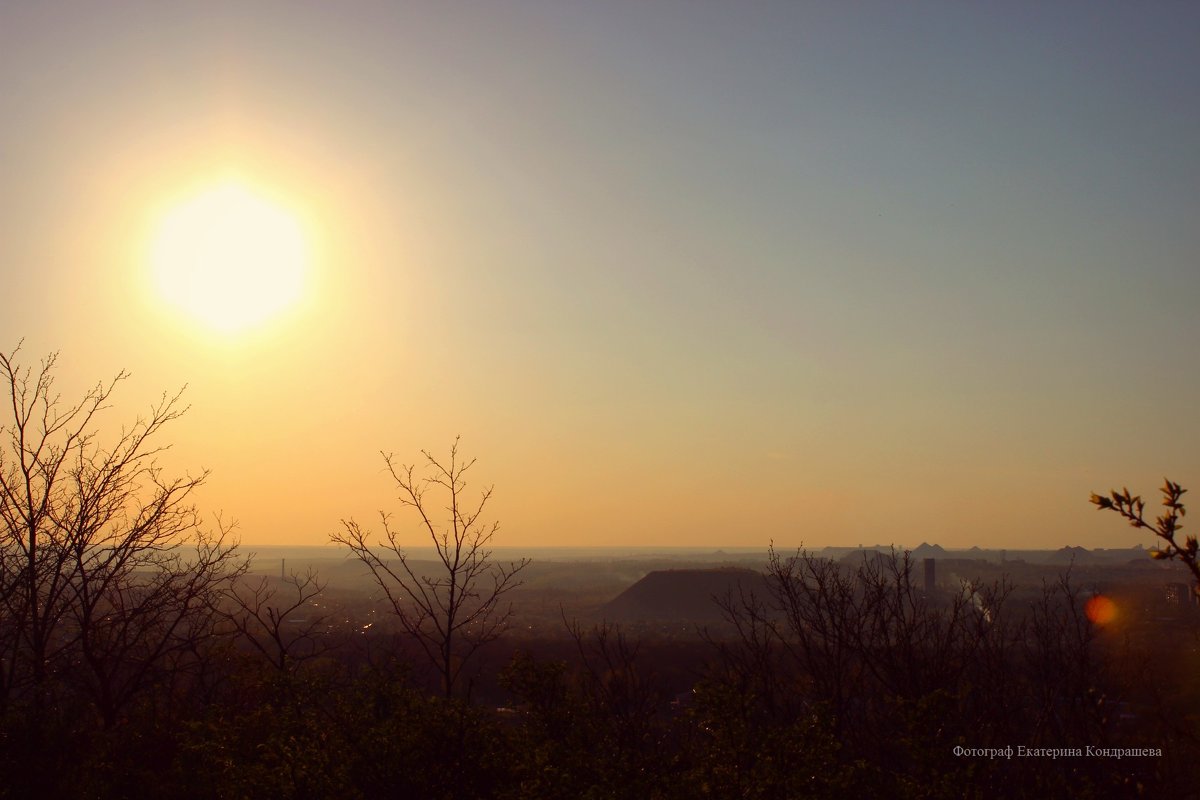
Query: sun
[[229, 256]]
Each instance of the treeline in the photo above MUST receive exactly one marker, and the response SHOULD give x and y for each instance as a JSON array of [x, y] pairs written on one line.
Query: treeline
[[840, 682]]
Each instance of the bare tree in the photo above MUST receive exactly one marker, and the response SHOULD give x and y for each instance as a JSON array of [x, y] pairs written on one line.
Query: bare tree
[[104, 566], [912, 643], [263, 615], [459, 608], [842, 667], [855, 638], [615, 684], [1066, 676]]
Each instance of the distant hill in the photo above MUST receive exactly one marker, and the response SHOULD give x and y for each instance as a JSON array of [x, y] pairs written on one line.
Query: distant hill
[[683, 594], [1072, 555], [925, 550]]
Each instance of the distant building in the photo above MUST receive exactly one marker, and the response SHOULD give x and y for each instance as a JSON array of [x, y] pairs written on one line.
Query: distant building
[[1181, 594]]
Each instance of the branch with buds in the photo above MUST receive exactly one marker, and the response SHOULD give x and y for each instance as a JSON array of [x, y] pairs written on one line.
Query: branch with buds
[[1165, 527]]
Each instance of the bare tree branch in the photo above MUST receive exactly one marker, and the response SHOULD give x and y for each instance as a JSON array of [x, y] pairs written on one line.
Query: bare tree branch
[[263, 615], [104, 567], [458, 610]]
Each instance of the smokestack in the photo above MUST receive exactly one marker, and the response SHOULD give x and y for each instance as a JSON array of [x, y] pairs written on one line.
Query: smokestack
[[930, 575], [282, 572]]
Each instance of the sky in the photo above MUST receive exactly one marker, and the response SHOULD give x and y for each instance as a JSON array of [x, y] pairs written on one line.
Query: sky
[[678, 273]]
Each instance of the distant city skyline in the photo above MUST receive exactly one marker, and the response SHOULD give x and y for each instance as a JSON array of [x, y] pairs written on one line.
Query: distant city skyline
[[680, 274]]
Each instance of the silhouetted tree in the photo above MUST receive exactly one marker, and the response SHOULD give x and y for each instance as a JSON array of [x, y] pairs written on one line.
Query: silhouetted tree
[[263, 615], [454, 612], [855, 663], [106, 573], [597, 728]]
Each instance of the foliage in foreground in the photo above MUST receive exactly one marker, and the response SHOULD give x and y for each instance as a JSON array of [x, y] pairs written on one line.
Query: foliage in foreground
[[766, 718]]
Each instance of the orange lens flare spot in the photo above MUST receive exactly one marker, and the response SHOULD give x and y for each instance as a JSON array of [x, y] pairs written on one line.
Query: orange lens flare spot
[[1100, 610]]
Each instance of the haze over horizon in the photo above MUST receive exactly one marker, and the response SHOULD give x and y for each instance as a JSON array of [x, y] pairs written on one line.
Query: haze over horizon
[[680, 274]]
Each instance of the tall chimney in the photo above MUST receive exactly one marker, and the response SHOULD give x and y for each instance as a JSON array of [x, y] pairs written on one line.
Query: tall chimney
[[930, 575]]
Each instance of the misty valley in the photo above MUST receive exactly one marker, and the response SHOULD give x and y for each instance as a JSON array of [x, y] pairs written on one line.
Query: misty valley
[[834, 673]]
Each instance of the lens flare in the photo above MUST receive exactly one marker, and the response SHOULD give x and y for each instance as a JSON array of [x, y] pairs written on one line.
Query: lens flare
[[1100, 610]]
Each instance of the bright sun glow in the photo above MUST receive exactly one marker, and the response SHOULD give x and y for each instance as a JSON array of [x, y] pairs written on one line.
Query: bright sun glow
[[229, 256]]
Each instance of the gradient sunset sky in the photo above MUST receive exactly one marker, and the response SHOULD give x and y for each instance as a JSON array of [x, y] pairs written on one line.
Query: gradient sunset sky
[[680, 273]]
